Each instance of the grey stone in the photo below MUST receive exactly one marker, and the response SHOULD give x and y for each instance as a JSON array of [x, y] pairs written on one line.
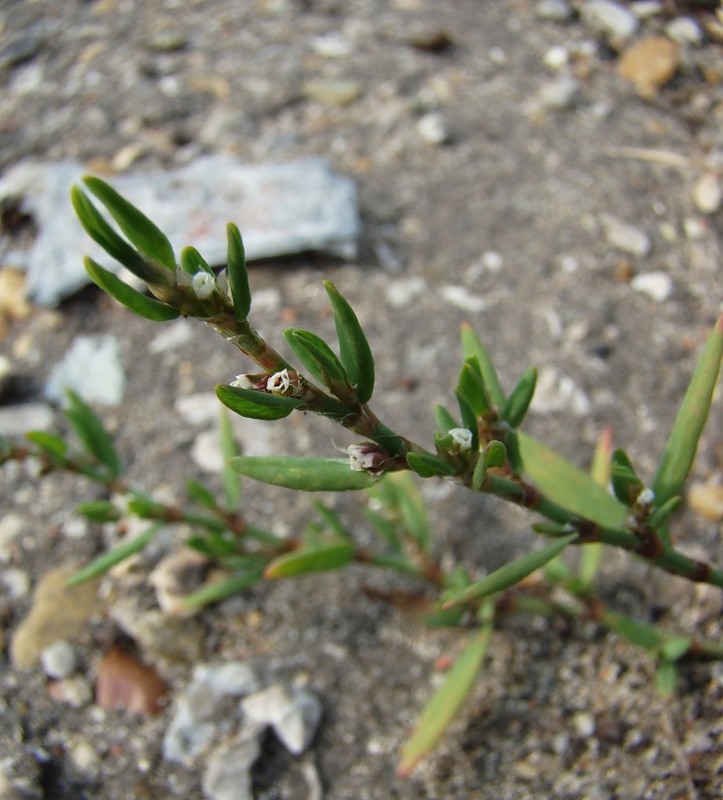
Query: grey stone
[[558, 392], [292, 714], [281, 209], [684, 30], [555, 10], [58, 659], [200, 706], [560, 93], [611, 19], [92, 369], [228, 770], [656, 285], [625, 237]]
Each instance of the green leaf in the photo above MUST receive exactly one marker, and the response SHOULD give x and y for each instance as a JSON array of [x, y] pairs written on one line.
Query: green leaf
[[52, 444], [567, 485], [469, 418], [666, 678], [317, 558], [317, 357], [591, 554], [510, 574], [676, 647], [496, 454], [304, 474], [517, 404], [660, 516], [191, 261], [102, 564], [445, 421], [101, 232], [127, 296], [479, 474], [472, 347], [92, 433], [223, 589], [356, 356], [472, 387], [412, 508], [256, 405], [639, 633], [332, 520], [148, 239], [446, 702], [98, 511], [682, 444], [229, 450], [238, 276], [429, 466], [198, 493], [626, 483]]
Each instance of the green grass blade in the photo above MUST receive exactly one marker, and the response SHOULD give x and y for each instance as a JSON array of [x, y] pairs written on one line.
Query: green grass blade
[[144, 306], [303, 474], [354, 350], [146, 237], [682, 444], [446, 702], [567, 485], [510, 574]]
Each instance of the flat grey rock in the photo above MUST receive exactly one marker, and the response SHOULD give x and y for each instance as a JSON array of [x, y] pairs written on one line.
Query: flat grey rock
[[281, 209]]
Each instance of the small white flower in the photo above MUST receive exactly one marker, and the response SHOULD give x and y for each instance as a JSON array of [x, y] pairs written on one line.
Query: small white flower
[[461, 439], [646, 497], [360, 457], [242, 382], [203, 285], [279, 382]]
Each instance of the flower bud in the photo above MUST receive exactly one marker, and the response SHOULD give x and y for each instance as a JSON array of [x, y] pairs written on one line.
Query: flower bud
[[461, 440], [203, 285], [367, 457]]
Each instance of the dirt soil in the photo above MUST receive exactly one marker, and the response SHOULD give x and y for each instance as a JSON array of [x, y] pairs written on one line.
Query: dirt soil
[[505, 223]]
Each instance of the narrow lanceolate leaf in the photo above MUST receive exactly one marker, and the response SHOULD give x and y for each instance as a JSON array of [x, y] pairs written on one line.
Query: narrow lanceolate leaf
[[510, 574], [256, 405], [496, 454], [639, 633], [103, 563], [429, 466], [191, 261], [317, 357], [517, 404], [316, 558], [469, 418], [238, 276], [98, 511], [146, 237], [567, 485], [50, 443], [141, 304], [101, 232], [220, 590], [472, 347], [446, 702], [92, 433], [229, 450], [472, 387], [666, 678], [626, 483], [356, 355], [445, 421], [412, 508], [591, 554], [303, 474], [682, 444]]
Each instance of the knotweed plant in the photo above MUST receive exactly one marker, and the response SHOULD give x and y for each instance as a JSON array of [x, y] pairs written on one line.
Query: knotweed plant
[[478, 444]]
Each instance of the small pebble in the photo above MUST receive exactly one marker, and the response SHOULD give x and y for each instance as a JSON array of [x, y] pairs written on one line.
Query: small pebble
[[401, 292], [332, 92], [556, 57], [706, 499], [433, 128], [656, 285], [616, 22], [17, 583], [708, 193], [684, 30], [625, 237], [460, 296], [58, 660], [645, 9], [554, 10], [24, 417], [584, 723], [649, 64], [560, 94]]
